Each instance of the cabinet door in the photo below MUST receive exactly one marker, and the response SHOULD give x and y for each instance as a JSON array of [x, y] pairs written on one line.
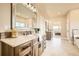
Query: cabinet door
[[6, 50], [24, 49], [0, 48], [35, 49]]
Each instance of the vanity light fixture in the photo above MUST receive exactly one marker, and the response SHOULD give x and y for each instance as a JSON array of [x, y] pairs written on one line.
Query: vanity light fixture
[[30, 6]]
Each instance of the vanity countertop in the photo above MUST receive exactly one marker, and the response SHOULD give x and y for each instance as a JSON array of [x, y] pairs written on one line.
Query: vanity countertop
[[13, 42]]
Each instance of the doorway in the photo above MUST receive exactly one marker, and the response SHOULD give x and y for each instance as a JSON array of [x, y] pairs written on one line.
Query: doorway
[[56, 31]]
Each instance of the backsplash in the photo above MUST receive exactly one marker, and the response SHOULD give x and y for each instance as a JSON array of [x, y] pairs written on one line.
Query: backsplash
[[2, 35], [24, 32], [9, 34]]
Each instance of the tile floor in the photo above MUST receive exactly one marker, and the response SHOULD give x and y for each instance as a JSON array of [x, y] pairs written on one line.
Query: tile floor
[[59, 47]]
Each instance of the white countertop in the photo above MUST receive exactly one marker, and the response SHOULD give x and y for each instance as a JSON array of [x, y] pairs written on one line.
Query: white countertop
[[13, 42]]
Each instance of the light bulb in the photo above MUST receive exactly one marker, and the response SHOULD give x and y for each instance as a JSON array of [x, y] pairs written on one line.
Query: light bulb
[[29, 6], [34, 10]]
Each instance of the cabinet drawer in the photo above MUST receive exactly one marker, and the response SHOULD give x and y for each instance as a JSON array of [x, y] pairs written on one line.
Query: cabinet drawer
[[25, 44], [25, 52], [35, 49], [25, 48]]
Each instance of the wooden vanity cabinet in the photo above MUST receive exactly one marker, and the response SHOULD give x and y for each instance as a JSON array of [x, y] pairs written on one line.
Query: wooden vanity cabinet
[[31, 48], [35, 47], [21, 50], [26, 49]]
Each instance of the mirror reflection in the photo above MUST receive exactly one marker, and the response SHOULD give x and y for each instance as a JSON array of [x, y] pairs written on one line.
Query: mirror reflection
[[24, 17]]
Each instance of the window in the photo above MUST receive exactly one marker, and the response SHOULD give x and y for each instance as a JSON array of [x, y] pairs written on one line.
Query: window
[[57, 28], [20, 25]]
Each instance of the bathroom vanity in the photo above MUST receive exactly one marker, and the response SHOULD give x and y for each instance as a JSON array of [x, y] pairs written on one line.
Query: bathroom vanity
[[21, 46]]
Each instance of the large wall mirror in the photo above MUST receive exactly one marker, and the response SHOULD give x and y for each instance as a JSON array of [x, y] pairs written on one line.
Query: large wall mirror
[[23, 17]]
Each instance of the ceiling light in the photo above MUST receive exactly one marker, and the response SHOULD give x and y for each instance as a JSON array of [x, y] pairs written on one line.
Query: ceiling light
[[29, 5]]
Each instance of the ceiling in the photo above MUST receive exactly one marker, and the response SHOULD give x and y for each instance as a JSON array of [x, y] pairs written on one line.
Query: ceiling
[[50, 10]]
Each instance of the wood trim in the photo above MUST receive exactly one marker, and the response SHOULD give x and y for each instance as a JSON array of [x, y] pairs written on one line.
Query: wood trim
[[11, 22]]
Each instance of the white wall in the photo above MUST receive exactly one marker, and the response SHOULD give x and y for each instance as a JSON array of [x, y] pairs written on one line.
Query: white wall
[[4, 17], [72, 22], [60, 21], [40, 23]]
